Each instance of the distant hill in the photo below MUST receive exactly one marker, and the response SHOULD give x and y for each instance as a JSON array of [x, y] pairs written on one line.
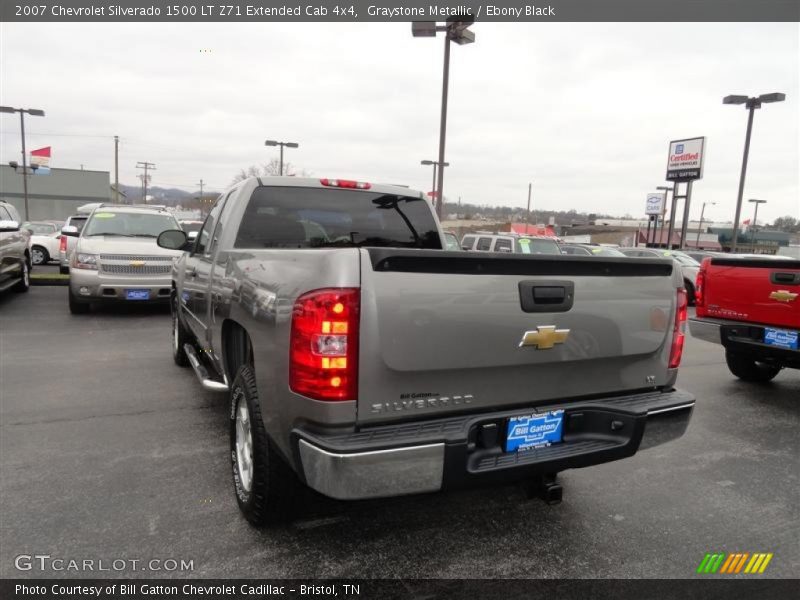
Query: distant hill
[[160, 195]]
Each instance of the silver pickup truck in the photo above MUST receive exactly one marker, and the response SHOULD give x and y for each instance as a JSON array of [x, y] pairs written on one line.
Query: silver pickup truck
[[364, 361]]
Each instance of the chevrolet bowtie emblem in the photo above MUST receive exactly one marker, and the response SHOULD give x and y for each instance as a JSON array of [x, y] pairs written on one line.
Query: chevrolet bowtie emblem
[[137, 263], [545, 336], [783, 296]]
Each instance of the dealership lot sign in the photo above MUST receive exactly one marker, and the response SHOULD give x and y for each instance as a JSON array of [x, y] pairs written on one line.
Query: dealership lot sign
[[685, 159], [656, 204]]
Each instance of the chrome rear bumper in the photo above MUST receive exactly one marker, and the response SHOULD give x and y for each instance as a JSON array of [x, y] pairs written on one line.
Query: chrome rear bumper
[[360, 465]]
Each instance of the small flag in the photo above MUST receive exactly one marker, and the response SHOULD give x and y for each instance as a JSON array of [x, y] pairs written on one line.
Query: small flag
[[41, 160], [746, 222]]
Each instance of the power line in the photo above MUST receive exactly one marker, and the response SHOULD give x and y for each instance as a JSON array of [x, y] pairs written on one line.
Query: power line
[[145, 165]]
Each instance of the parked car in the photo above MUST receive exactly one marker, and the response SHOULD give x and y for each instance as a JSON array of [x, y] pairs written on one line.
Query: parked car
[[699, 255], [15, 258], [689, 266], [790, 251], [589, 250], [69, 236], [191, 227], [45, 240], [116, 258], [364, 362], [514, 244], [451, 241], [752, 307]]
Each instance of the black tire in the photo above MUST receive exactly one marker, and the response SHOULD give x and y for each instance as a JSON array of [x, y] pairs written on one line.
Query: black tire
[[180, 336], [269, 499], [747, 369], [690, 297], [78, 306], [39, 255], [24, 283], [63, 270]]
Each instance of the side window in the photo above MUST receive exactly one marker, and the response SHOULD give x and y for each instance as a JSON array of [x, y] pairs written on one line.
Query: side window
[[204, 236], [466, 243], [12, 213], [484, 244], [503, 245], [222, 216], [4, 216]]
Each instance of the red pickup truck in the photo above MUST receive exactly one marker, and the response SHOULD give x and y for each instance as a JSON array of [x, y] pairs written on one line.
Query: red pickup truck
[[752, 307]]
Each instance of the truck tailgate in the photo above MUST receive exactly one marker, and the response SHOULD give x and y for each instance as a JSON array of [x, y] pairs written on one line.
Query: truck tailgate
[[446, 331], [765, 291]]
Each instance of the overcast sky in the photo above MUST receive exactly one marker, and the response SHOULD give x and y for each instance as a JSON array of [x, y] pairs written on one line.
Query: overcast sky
[[585, 111]]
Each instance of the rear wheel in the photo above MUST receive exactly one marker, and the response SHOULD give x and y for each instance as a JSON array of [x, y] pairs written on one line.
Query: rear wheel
[[39, 255], [265, 485], [747, 369], [180, 336], [24, 283], [78, 306]]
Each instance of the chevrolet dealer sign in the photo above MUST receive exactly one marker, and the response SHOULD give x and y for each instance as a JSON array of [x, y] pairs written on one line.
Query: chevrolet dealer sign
[[685, 160]]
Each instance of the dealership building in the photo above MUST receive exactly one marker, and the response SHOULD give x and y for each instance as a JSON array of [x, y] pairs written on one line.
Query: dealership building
[[55, 195]]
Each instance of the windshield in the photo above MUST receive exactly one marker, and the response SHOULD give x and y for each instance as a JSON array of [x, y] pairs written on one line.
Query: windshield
[[129, 224], [451, 242], [191, 226], [602, 251], [296, 217], [684, 259], [537, 246], [40, 228]]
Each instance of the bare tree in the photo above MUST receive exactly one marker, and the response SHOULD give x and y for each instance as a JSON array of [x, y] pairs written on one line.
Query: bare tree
[[270, 169]]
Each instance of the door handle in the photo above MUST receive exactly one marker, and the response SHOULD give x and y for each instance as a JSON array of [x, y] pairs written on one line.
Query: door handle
[[546, 296]]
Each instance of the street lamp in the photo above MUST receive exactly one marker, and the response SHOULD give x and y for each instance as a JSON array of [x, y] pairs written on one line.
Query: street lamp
[[281, 144], [751, 104], [435, 163], [457, 30], [35, 112], [755, 216], [700, 228]]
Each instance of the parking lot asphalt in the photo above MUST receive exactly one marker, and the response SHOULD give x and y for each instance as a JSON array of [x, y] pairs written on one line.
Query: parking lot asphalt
[[109, 451]]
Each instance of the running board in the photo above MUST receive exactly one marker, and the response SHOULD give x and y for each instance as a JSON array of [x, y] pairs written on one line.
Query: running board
[[201, 372]]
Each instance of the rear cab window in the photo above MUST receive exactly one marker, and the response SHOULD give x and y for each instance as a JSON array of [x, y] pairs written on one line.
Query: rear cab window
[[308, 217], [504, 245], [467, 242]]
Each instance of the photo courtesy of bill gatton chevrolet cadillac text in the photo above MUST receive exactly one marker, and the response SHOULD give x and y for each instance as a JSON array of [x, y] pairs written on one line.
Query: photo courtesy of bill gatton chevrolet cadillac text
[[363, 360]]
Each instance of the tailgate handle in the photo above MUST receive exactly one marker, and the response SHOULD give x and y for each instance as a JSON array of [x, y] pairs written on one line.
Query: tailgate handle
[[785, 278], [546, 296]]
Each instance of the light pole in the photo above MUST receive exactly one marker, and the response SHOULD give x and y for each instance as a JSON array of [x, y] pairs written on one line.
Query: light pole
[[281, 144], [34, 112], [700, 228], [755, 218], [457, 30], [435, 164], [751, 104], [666, 191]]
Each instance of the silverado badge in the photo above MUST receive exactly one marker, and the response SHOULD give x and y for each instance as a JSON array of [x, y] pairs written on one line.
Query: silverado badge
[[783, 296], [137, 263], [545, 337]]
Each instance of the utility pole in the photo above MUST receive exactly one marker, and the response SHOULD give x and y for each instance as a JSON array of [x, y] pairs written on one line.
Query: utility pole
[[201, 196], [146, 166], [116, 169], [33, 112], [528, 211]]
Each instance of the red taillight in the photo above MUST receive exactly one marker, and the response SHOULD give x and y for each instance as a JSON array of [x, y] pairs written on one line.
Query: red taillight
[[699, 288], [346, 183], [679, 330], [62, 244], [323, 355]]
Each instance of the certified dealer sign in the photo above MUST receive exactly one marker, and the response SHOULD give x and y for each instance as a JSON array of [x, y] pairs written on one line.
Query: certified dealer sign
[[685, 160]]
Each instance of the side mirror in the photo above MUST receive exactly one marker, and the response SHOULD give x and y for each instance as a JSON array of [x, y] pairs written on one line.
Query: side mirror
[[7, 226], [173, 239], [70, 230]]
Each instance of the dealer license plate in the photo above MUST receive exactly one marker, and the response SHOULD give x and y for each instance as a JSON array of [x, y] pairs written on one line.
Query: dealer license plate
[[780, 338], [530, 431], [137, 294]]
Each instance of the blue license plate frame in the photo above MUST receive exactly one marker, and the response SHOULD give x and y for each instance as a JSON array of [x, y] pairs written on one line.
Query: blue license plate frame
[[534, 430], [781, 338], [137, 294]]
